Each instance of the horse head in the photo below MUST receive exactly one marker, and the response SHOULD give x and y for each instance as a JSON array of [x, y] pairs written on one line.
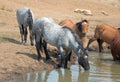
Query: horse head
[[83, 59], [83, 27]]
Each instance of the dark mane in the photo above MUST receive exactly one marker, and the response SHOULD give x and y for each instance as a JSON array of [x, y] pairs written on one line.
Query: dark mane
[[74, 34], [85, 21], [79, 24]]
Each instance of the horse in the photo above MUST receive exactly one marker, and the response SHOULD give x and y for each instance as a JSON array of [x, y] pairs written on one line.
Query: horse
[[103, 33], [61, 37], [115, 47], [25, 18], [81, 28]]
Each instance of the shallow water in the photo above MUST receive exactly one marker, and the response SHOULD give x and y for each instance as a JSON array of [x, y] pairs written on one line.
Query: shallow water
[[102, 69]]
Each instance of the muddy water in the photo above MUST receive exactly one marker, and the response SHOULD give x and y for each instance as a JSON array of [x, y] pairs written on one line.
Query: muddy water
[[103, 69]]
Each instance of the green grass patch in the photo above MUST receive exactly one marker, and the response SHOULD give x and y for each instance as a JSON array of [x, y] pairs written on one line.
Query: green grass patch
[[2, 39]]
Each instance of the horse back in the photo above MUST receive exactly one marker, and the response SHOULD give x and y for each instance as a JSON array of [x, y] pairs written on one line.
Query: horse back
[[22, 15], [68, 23], [105, 32]]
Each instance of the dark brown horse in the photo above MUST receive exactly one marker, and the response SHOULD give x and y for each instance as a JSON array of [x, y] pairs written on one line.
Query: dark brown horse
[[115, 47], [81, 28], [103, 33]]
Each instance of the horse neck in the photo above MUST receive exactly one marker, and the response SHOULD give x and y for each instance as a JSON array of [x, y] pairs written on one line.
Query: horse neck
[[84, 41], [52, 28], [75, 45], [78, 31], [77, 49]]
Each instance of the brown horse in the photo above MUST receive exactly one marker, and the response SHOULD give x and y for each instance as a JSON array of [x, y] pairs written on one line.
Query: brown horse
[[81, 28], [103, 33], [115, 47]]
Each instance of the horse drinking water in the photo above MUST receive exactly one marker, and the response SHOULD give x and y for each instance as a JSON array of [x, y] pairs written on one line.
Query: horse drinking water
[[25, 18], [61, 37]]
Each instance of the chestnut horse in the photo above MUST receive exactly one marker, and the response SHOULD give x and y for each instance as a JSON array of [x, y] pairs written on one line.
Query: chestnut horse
[[115, 47], [81, 28], [103, 33]]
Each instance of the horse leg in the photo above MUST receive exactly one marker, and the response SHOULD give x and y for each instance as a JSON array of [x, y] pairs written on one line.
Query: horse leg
[[90, 41], [67, 57], [100, 42], [38, 46], [32, 40], [25, 34], [60, 56], [21, 32], [113, 54], [31, 37], [45, 50]]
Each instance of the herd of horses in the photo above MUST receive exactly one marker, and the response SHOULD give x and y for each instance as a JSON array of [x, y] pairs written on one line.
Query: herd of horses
[[66, 36]]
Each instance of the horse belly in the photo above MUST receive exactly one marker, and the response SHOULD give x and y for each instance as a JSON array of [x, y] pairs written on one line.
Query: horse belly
[[65, 43], [50, 38], [107, 37]]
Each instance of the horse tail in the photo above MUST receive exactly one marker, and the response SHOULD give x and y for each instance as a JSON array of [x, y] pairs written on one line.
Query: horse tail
[[29, 13], [30, 18]]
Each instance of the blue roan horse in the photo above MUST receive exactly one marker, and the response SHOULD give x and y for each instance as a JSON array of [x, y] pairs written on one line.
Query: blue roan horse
[[61, 37], [25, 18]]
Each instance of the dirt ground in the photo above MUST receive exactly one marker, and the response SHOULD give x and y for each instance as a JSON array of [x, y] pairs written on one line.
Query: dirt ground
[[17, 59]]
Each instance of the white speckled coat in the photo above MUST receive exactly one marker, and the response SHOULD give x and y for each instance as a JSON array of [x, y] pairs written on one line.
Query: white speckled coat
[[61, 37]]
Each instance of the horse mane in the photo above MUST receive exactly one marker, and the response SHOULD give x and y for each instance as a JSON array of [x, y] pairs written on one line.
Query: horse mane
[[74, 34], [85, 21], [79, 24]]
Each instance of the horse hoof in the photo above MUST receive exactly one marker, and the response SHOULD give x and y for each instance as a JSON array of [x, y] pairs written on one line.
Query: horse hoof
[[25, 44], [40, 60], [32, 44], [47, 59], [56, 66], [65, 67]]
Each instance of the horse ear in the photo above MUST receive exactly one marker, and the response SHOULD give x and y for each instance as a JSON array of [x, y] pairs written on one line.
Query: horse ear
[[84, 20], [28, 10]]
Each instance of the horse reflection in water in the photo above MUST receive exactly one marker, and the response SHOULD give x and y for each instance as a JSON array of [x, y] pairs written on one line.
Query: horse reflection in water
[[59, 76], [61, 37], [25, 18]]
